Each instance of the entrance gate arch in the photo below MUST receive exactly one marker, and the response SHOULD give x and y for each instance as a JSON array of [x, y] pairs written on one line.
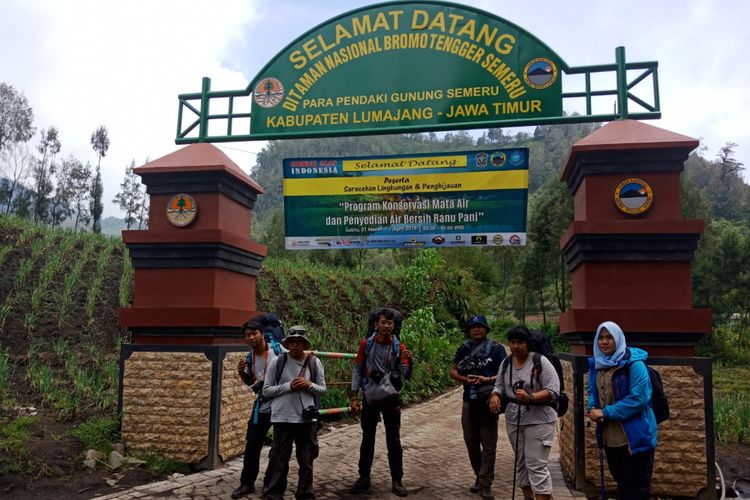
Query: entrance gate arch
[[413, 66]]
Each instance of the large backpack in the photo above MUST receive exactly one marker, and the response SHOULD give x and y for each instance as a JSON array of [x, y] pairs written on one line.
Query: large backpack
[[659, 402], [540, 345], [273, 329]]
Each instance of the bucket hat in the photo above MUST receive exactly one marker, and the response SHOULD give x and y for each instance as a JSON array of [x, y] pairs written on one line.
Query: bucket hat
[[478, 320], [298, 332]]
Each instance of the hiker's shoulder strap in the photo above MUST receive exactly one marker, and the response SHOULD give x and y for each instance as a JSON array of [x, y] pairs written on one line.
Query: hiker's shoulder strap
[[280, 363], [313, 368], [504, 369]]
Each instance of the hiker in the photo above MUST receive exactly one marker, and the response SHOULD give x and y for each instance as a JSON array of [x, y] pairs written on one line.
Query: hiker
[[476, 365], [529, 419], [295, 380], [380, 367], [252, 371], [619, 394]]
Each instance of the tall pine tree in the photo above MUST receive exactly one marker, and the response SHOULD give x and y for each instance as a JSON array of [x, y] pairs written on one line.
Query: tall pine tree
[[100, 143]]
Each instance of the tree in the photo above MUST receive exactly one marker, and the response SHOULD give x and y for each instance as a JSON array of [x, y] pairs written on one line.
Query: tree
[[16, 117], [80, 177], [100, 143], [143, 210], [41, 173], [95, 202], [16, 160], [130, 196], [729, 165], [60, 208]]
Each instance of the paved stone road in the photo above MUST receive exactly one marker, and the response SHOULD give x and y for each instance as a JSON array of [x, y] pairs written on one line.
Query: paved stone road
[[435, 463]]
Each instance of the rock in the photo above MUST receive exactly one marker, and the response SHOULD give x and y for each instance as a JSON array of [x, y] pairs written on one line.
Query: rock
[[116, 460], [90, 463], [94, 455], [119, 448], [134, 462]]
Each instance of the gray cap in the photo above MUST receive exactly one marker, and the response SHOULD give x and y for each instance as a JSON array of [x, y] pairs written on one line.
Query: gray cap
[[298, 332]]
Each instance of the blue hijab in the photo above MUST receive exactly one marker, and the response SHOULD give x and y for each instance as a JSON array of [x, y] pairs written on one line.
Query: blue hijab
[[602, 361]]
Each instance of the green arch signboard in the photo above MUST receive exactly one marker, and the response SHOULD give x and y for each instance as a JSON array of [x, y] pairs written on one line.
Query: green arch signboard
[[404, 67]]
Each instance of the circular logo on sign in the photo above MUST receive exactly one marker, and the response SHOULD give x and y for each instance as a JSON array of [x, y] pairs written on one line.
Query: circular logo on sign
[[498, 159], [269, 92], [633, 196], [498, 239], [540, 73], [181, 210]]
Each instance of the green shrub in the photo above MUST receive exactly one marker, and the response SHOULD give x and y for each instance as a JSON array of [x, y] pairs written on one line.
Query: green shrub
[[98, 433]]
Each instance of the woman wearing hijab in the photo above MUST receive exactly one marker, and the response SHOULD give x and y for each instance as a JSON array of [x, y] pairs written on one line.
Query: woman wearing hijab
[[618, 402]]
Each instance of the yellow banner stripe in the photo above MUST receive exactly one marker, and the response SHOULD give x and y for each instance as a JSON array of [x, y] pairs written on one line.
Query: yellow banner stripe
[[398, 184], [368, 165]]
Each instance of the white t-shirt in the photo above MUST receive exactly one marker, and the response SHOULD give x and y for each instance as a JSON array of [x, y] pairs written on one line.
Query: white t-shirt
[[530, 414], [259, 370]]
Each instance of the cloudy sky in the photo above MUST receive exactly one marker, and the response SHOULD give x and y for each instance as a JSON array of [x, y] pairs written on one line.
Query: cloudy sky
[[84, 63]]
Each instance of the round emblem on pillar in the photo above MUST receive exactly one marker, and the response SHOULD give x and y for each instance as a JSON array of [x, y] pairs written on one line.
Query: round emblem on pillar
[[181, 210], [633, 196]]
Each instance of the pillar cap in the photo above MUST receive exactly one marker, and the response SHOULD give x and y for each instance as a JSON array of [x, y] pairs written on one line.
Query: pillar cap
[[627, 135], [201, 157]]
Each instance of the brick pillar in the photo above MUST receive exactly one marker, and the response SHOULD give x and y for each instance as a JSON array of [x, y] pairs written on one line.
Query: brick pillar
[[629, 252], [194, 286]]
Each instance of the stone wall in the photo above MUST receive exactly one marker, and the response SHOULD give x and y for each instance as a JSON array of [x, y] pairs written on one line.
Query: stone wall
[[566, 438], [236, 407], [165, 406], [680, 467]]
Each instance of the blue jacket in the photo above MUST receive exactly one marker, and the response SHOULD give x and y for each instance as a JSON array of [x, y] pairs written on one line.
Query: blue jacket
[[632, 396]]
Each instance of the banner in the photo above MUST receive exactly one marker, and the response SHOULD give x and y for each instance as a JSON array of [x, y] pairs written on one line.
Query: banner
[[471, 199]]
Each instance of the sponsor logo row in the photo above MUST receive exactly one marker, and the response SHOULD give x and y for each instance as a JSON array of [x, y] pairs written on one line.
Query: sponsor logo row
[[413, 242]]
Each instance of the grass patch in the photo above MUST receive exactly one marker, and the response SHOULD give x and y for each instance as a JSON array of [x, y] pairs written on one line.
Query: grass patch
[[14, 456], [164, 465], [732, 419], [731, 404], [98, 433]]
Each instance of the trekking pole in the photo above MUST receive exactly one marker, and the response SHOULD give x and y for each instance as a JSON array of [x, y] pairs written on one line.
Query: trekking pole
[[516, 386], [601, 471]]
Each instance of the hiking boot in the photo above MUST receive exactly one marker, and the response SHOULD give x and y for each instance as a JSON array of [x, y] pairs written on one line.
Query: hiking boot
[[243, 491], [486, 492], [476, 487], [397, 487], [361, 485]]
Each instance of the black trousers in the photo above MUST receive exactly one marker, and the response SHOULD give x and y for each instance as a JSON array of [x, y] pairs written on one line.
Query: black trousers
[[304, 437], [256, 434], [392, 421], [480, 435], [632, 473]]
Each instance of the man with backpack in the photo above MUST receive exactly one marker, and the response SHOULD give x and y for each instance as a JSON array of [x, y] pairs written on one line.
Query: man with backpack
[[476, 365], [295, 381], [381, 365], [252, 371]]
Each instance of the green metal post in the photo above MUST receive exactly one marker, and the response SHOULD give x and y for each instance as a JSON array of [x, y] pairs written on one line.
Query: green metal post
[[203, 129], [622, 84]]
